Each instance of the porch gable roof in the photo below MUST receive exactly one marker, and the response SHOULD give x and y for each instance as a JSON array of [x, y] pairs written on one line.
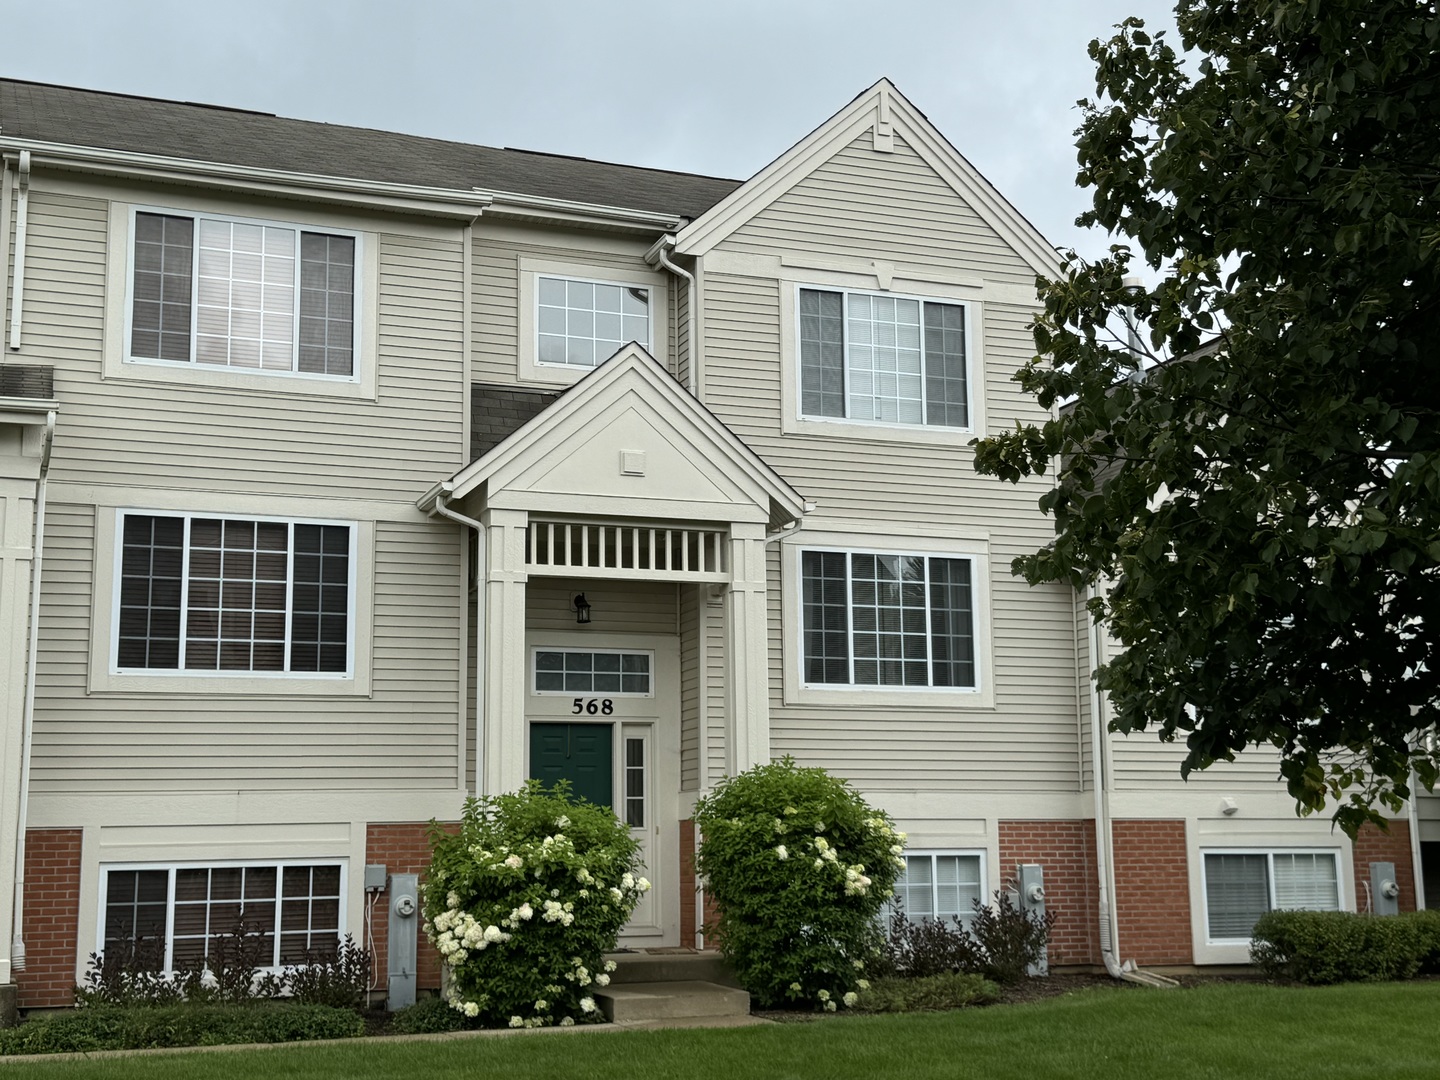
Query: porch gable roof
[[628, 440]]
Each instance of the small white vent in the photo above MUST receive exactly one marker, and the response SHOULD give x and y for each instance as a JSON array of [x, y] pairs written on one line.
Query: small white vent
[[649, 552]]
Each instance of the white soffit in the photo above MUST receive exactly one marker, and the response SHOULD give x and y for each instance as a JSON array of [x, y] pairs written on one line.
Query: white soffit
[[887, 112]]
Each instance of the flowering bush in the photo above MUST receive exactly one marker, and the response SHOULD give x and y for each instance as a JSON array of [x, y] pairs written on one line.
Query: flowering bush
[[799, 868], [523, 903]]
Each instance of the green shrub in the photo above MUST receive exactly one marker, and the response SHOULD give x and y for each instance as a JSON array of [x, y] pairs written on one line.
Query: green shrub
[[143, 1027], [524, 901], [1008, 939], [798, 867], [1000, 942], [1336, 946], [1426, 926], [429, 1016], [341, 979], [950, 990]]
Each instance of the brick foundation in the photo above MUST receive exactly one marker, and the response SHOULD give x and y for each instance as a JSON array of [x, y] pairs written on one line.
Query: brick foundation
[[1152, 892], [402, 848], [52, 918], [1066, 850], [688, 929], [1376, 845]]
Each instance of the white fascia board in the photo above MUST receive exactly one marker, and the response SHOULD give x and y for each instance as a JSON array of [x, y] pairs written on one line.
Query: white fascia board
[[565, 211], [445, 202], [26, 411], [862, 114]]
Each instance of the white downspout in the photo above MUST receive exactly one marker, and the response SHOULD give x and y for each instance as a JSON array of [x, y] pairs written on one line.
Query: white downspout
[[22, 203], [662, 255], [27, 729], [444, 511], [1104, 865], [1417, 870]]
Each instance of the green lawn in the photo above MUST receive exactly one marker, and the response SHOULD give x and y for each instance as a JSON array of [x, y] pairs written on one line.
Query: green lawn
[[1234, 1030]]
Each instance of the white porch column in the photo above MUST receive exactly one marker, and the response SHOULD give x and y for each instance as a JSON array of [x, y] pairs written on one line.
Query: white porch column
[[747, 639], [503, 578]]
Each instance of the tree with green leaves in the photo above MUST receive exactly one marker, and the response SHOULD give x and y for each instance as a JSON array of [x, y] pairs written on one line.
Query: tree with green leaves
[[1250, 484]]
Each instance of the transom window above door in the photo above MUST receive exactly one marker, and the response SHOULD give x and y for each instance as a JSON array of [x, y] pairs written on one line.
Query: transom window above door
[[593, 671]]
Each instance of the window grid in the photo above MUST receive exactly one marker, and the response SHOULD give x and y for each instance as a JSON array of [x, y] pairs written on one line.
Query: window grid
[[193, 908], [885, 619], [259, 595], [223, 292], [586, 671], [635, 783], [583, 323], [940, 885], [873, 357]]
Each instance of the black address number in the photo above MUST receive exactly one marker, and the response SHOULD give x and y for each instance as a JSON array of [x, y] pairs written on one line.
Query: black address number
[[592, 706]]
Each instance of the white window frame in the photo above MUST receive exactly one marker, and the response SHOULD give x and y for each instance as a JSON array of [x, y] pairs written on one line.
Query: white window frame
[[964, 917], [119, 305], [217, 864], [105, 673], [531, 270], [925, 544], [794, 422], [535, 690], [1269, 853], [234, 219]]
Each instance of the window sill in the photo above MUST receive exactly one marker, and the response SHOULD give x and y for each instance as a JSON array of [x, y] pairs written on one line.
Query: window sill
[[912, 699], [238, 685], [860, 430], [166, 373]]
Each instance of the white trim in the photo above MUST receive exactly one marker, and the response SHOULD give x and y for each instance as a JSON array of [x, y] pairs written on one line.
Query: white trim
[[530, 270], [119, 307], [887, 112], [816, 538], [795, 422], [105, 869], [107, 675]]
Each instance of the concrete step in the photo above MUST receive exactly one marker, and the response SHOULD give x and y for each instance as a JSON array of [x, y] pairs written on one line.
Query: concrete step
[[671, 1000], [643, 967]]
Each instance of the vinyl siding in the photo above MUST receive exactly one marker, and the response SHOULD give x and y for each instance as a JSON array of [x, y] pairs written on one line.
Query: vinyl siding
[[166, 434], [833, 211], [401, 737], [714, 689], [864, 206], [638, 607], [690, 686]]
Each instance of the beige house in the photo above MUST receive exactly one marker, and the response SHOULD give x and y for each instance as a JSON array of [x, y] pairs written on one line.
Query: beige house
[[365, 473]]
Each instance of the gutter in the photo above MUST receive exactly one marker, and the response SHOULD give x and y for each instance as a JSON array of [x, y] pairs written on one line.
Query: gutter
[[660, 253], [1100, 768], [435, 502], [22, 205], [27, 731]]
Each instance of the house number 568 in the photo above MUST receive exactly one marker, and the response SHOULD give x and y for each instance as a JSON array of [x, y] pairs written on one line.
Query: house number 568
[[592, 706]]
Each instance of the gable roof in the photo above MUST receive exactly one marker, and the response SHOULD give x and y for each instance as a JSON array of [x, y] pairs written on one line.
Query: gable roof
[[563, 457], [885, 112], [206, 133]]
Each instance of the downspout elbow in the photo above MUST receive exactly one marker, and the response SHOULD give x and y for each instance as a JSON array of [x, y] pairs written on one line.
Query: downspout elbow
[[660, 253]]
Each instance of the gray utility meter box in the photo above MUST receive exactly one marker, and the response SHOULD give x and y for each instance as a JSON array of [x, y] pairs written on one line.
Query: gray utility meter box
[[1384, 889], [1031, 878], [404, 950]]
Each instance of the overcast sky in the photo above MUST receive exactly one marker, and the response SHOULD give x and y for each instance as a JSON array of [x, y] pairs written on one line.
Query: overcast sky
[[721, 87]]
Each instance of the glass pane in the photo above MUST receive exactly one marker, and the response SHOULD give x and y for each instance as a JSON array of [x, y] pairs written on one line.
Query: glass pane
[[1237, 892], [1306, 880]]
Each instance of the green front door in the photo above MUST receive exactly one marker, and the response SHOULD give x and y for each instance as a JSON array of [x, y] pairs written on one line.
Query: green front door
[[579, 753]]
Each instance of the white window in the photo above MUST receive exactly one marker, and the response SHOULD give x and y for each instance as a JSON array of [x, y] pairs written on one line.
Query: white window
[[583, 323], [229, 595], [613, 672], [887, 619], [239, 294], [940, 885], [173, 917], [880, 358], [1240, 886]]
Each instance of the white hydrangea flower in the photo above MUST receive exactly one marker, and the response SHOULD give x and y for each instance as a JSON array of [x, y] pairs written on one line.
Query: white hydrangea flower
[[863, 984], [562, 822], [781, 853], [609, 965], [452, 899], [516, 1021], [858, 965], [823, 995], [795, 987], [627, 880], [850, 999], [829, 1006], [494, 934], [526, 912], [541, 1005], [643, 884], [821, 844], [587, 1005], [471, 1009], [602, 980], [567, 1021]]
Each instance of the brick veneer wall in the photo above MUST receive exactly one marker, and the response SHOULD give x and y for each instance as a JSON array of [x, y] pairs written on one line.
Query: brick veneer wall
[[402, 848], [1374, 844], [1066, 850], [52, 918], [688, 929], [1152, 892]]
